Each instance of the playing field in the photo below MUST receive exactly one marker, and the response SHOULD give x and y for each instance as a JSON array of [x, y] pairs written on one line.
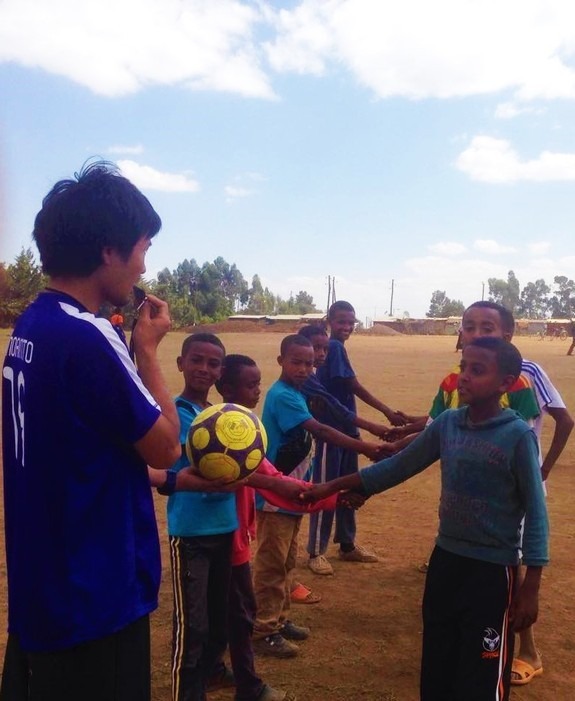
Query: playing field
[[366, 632]]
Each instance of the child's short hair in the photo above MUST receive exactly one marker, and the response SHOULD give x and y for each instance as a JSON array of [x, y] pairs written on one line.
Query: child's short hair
[[201, 338], [312, 330], [81, 217], [294, 339], [507, 320], [231, 369], [507, 357], [339, 306]]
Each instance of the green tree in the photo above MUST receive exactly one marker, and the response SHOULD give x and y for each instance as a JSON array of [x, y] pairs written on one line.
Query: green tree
[[534, 303], [260, 300], [22, 281], [441, 306], [563, 299], [201, 294], [505, 292], [304, 303]]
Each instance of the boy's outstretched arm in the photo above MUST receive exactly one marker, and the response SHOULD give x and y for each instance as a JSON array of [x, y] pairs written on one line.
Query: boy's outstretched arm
[[332, 435], [283, 491], [327, 489], [387, 473], [563, 428], [525, 605], [396, 418]]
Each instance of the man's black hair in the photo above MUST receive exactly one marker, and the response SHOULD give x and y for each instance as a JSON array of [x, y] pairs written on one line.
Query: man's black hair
[[507, 320], [294, 339], [507, 357], [80, 217]]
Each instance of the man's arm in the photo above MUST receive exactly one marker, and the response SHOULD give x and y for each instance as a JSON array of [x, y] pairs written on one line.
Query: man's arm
[[160, 447]]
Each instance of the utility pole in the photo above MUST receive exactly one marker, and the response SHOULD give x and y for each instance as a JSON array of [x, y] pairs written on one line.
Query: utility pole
[[331, 298], [391, 300]]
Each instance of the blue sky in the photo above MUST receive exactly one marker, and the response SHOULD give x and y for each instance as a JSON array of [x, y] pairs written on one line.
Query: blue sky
[[432, 144]]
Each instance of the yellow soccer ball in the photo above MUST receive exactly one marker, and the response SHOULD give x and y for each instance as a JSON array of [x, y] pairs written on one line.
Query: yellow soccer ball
[[226, 440]]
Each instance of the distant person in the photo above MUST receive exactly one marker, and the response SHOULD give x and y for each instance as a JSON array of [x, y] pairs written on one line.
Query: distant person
[[117, 321], [490, 482], [338, 377], [79, 427], [572, 334], [459, 343]]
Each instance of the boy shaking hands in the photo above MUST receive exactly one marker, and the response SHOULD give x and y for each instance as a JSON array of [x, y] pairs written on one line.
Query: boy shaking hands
[[490, 480]]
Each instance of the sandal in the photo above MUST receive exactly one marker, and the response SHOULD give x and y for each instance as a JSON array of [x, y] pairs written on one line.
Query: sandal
[[524, 671], [302, 595]]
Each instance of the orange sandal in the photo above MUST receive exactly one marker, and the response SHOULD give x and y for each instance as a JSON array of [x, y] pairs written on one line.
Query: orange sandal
[[302, 595]]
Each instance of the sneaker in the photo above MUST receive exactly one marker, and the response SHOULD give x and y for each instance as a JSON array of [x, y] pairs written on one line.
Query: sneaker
[[275, 645], [222, 680], [290, 631], [358, 554], [320, 565], [270, 694]]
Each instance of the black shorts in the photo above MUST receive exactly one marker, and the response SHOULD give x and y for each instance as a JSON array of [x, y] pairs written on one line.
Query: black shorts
[[114, 668]]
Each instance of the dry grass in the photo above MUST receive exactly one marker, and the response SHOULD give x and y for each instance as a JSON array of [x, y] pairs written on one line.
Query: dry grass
[[366, 631]]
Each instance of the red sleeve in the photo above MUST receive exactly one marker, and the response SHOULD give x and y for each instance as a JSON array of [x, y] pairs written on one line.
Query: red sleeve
[[266, 468]]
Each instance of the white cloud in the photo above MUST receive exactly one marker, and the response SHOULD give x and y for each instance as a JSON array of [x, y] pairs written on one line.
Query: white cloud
[[239, 189], [510, 110], [117, 47], [118, 149], [495, 161], [414, 49], [234, 193], [538, 248], [444, 49], [447, 248], [492, 247], [149, 178]]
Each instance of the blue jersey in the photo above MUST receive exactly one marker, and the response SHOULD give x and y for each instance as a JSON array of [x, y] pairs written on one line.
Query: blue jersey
[[198, 513], [81, 539], [336, 373]]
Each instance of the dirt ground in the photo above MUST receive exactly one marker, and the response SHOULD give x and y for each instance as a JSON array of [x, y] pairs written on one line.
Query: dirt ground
[[366, 631]]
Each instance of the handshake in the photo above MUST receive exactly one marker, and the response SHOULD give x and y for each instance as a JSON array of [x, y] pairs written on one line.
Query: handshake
[[348, 498]]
